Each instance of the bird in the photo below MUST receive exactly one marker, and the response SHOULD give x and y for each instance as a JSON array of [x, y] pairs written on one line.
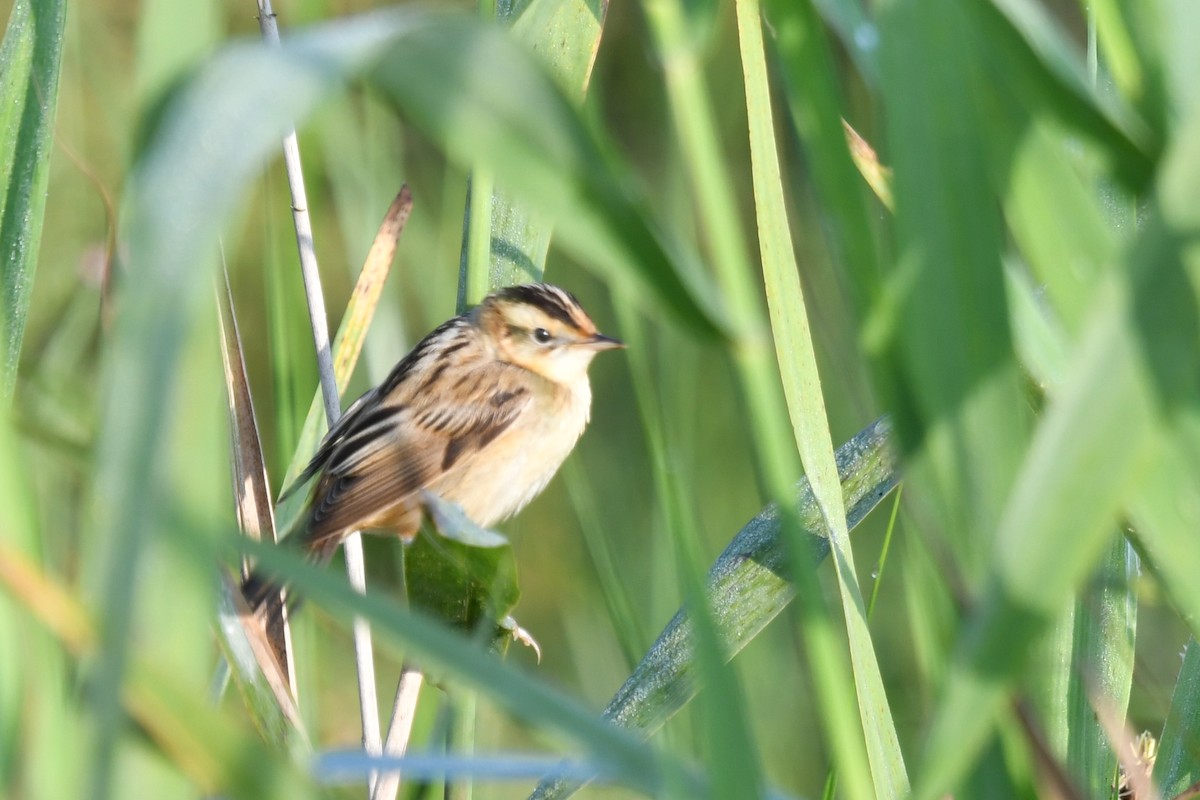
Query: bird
[[481, 412]]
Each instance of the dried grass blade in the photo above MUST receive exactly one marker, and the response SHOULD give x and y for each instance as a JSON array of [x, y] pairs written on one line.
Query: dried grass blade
[[246, 639], [251, 489], [866, 160]]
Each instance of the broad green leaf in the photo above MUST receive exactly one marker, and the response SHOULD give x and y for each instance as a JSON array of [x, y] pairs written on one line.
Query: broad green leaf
[[797, 360], [458, 572], [565, 36], [1102, 445], [947, 366], [1057, 225], [748, 586], [29, 65]]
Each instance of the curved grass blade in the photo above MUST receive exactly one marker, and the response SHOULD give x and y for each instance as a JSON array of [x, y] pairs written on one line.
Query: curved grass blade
[[30, 57], [748, 586], [510, 115], [458, 658]]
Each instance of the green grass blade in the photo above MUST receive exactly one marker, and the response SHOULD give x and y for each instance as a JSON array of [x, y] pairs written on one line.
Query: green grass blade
[[816, 111], [565, 37], [511, 116], [1057, 224], [765, 411], [474, 271], [1105, 423], [1178, 765], [216, 755], [30, 56], [1028, 47], [949, 369], [806, 405], [748, 586], [1102, 666]]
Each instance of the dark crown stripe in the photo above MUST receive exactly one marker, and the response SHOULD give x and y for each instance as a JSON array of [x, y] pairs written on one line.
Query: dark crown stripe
[[554, 302]]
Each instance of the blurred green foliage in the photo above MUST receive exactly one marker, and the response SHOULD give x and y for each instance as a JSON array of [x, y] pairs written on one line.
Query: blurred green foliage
[[1028, 316]]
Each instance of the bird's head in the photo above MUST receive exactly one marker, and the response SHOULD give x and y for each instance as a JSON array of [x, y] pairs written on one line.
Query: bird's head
[[543, 329]]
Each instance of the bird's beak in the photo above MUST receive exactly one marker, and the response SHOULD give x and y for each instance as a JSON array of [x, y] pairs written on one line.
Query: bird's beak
[[602, 342]]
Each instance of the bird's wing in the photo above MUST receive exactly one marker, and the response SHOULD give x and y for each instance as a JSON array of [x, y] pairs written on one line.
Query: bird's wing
[[350, 422], [363, 415], [406, 440]]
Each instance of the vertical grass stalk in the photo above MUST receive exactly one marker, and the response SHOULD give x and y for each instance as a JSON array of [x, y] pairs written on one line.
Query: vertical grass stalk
[[355, 566], [765, 410], [806, 405]]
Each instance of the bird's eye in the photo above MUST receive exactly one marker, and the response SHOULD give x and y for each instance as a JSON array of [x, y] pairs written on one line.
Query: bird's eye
[[541, 335]]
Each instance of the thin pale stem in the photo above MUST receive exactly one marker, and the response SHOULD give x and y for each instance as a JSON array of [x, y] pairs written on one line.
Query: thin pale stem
[[355, 568], [403, 712]]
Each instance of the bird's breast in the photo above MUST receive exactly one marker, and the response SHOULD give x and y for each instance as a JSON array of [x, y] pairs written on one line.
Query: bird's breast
[[516, 467]]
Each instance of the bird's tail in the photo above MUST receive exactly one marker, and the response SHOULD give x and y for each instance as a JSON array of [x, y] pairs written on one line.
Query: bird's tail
[[259, 591], [263, 592]]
